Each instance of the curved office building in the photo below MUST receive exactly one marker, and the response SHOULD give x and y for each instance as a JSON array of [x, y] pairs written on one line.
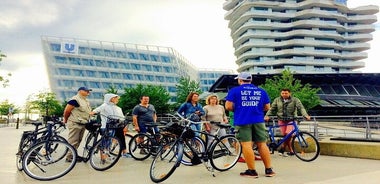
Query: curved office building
[[99, 65], [306, 36]]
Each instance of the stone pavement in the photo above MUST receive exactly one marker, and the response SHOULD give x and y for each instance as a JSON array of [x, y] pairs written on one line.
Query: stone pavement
[[325, 169]]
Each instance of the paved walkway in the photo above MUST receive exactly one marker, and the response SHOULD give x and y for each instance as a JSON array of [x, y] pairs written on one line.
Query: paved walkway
[[324, 170]]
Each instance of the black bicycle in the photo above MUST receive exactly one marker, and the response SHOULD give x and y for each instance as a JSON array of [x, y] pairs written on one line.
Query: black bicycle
[[142, 145], [222, 155], [45, 160], [31, 137], [104, 152]]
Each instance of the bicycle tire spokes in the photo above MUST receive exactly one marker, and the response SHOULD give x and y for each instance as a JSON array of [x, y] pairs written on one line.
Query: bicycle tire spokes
[[225, 153], [305, 146], [105, 154], [46, 160], [167, 160]]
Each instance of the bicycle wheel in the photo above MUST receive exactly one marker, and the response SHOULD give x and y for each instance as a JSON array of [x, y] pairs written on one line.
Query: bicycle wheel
[[24, 145], [166, 161], [198, 146], [225, 153], [42, 161], [128, 138], [140, 146], [305, 146], [105, 153], [90, 140]]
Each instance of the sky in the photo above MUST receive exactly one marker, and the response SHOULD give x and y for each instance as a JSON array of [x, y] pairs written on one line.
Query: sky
[[195, 28]]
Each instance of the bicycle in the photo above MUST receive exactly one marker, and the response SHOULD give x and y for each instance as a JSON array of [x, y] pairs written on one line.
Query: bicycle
[[142, 145], [45, 159], [221, 155], [305, 146], [31, 137], [103, 153]]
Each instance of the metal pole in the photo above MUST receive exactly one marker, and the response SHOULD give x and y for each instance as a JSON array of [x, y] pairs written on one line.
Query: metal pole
[[368, 130]]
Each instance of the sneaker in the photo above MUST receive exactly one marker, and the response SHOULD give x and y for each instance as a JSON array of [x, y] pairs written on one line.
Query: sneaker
[[241, 160], [257, 158], [126, 155], [269, 172], [290, 153], [69, 159], [249, 173], [143, 152], [79, 159], [281, 152]]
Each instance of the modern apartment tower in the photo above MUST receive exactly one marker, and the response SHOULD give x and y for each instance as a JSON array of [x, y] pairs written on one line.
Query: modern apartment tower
[[306, 36], [99, 65]]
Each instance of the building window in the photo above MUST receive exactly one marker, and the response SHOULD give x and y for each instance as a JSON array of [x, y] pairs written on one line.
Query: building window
[[127, 76], [135, 66], [55, 47], [106, 85], [115, 75], [100, 63], [165, 59], [160, 79], [79, 73], [104, 74], [94, 84], [153, 57], [60, 60], [144, 57], [81, 83], [97, 52], [64, 71], [124, 65], [88, 62], [121, 54], [90, 73], [157, 68], [74, 61], [132, 55], [112, 64], [147, 67]]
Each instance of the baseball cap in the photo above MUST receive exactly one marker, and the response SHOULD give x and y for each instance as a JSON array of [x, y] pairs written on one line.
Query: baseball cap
[[244, 76], [84, 89]]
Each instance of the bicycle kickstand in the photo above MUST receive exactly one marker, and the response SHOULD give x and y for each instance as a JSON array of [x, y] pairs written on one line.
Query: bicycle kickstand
[[209, 168]]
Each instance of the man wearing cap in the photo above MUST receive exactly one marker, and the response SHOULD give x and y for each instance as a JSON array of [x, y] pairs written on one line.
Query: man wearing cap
[[76, 115], [248, 103]]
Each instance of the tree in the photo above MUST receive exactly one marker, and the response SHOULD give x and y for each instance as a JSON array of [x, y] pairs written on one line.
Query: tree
[[46, 103], [5, 106], [158, 96], [4, 80], [305, 93], [184, 87]]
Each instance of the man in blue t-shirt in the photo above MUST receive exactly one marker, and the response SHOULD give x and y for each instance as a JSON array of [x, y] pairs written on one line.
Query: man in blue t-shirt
[[248, 103]]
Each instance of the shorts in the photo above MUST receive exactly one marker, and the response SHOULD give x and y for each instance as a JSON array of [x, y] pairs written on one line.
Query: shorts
[[284, 128], [253, 132]]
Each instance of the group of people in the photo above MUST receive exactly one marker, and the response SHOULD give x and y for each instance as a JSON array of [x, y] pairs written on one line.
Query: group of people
[[247, 102], [78, 112]]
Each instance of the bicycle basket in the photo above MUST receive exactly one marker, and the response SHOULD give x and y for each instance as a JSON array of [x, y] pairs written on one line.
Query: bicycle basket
[[92, 126], [114, 123]]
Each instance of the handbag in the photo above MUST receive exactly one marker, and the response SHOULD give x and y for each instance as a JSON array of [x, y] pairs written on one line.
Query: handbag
[[194, 117]]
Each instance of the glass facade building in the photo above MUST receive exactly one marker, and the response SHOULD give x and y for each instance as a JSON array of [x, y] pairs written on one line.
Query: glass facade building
[[306, 36], [99, 65]]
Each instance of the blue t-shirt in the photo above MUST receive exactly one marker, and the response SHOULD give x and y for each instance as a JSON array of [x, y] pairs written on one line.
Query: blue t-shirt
[[249, 102]]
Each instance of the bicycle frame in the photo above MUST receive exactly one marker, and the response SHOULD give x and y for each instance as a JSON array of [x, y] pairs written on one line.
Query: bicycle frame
[[271, 131]]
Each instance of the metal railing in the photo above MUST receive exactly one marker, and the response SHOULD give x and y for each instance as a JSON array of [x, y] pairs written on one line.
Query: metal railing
[[358, 127]]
